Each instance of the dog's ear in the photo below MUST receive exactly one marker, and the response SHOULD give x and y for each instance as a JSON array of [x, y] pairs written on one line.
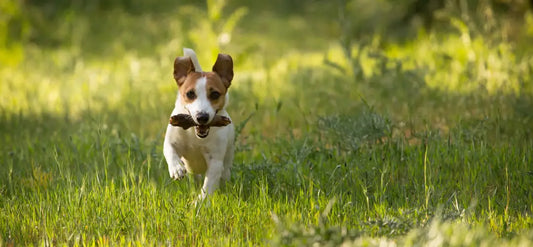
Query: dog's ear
[[224, 68], [182, 67]]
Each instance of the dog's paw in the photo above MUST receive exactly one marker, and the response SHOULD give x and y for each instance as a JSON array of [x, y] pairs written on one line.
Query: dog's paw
[[177, 172]]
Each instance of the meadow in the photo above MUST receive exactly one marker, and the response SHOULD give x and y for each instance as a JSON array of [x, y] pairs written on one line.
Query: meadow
[[356, 125]]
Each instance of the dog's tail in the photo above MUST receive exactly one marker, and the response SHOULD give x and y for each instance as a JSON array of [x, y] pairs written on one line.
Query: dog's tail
[[190, 53]]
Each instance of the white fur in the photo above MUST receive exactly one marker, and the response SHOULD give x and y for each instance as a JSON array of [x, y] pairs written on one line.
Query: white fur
[[185, 152], [190, 53], [202, 103]]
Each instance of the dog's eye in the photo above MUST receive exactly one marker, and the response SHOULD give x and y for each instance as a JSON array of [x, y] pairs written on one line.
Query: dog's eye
[[191, 95], [214, 95]]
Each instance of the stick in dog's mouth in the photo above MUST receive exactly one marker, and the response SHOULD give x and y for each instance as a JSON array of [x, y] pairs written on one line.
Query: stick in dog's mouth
[[185, 121]]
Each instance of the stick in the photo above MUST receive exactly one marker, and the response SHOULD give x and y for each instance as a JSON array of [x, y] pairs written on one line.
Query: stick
[[185, 121]]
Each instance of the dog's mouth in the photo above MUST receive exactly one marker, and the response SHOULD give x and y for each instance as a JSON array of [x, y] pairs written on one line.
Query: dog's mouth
[[201, 131]]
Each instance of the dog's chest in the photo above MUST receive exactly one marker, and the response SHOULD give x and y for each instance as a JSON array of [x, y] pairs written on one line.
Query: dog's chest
[[196, 152]]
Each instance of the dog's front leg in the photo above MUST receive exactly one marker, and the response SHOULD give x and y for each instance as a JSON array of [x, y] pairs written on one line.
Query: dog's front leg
[[212, 177], [175, 168]]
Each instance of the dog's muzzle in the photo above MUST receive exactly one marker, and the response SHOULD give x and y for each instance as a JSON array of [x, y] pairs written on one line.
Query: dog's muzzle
[[201, 131]]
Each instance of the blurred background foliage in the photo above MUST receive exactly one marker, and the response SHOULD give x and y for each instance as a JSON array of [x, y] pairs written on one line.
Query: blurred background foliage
[[437, 60]]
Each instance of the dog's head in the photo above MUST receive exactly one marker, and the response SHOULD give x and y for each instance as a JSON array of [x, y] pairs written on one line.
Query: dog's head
[[203, 94]]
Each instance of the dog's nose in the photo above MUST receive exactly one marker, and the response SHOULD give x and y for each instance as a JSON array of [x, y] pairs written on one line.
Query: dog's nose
[[202, 118]]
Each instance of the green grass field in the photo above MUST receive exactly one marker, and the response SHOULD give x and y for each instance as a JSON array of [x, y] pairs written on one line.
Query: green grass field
[[345, 135]]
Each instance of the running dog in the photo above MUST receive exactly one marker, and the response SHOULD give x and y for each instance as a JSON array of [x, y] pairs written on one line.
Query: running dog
[[201, 150]]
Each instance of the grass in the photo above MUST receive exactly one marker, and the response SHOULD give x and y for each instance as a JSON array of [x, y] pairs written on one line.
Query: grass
[[402, 143]]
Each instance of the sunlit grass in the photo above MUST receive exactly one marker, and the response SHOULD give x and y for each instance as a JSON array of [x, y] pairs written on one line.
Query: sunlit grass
[[429, 144]]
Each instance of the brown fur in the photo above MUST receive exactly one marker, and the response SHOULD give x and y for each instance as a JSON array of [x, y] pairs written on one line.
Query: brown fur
[[214, 83]]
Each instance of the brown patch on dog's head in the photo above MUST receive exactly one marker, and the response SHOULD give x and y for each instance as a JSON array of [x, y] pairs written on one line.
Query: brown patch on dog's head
[[188, 87], [216, 90]]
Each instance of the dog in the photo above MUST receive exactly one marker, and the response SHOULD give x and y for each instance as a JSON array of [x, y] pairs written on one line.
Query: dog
[[201, 150]]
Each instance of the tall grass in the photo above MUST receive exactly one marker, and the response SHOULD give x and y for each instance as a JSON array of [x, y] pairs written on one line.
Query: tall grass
[[428, 144]]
